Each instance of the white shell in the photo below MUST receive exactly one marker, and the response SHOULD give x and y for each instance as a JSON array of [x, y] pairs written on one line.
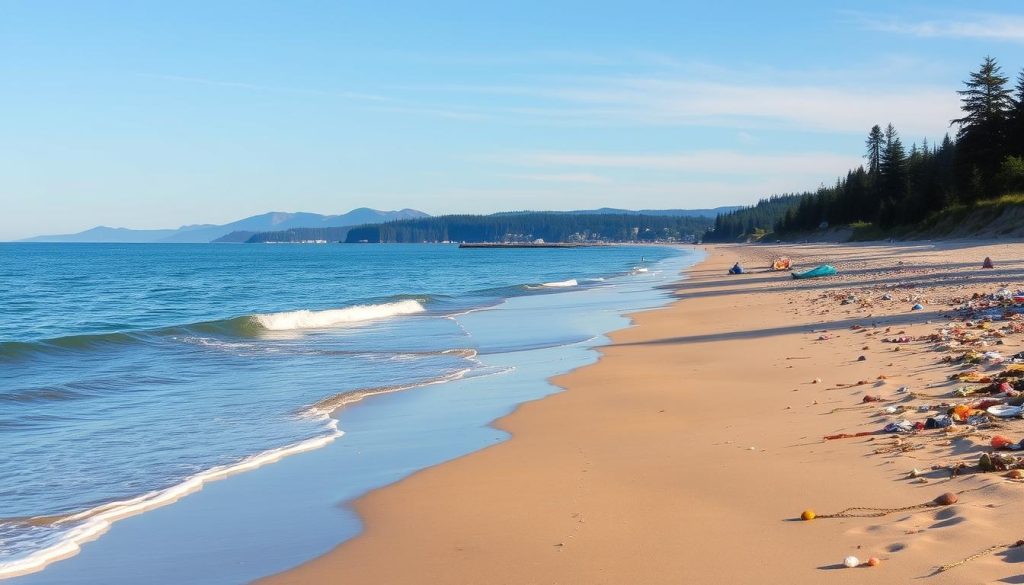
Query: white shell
[[851, 561]]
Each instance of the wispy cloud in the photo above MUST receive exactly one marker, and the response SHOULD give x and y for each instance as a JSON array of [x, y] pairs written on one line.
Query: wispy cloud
[[684, 94], [747, 103], [991, 27], [369, 101], [579, 178], [714, 162], [352, 95]]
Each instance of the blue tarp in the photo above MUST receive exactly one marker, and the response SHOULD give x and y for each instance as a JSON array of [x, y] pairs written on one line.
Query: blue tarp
[[823, 270]]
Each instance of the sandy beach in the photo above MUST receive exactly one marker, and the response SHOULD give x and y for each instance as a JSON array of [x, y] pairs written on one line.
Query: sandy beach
[[689, 451]]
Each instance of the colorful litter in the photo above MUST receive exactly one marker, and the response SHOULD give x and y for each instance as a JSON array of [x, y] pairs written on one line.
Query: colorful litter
[[816, 272]]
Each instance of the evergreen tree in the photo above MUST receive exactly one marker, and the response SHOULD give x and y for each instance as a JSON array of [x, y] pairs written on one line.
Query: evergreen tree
[[982, 135], [874, 149], [1016, 142], [892, 174]]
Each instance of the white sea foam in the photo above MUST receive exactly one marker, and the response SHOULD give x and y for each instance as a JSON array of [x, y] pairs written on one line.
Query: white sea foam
[[562, 283], [96, 521], [330, 404], [304, 319]]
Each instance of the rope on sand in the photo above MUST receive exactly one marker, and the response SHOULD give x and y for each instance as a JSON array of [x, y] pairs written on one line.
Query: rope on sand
[[862, 512], [850, 436], [980, 554], [945, 499]]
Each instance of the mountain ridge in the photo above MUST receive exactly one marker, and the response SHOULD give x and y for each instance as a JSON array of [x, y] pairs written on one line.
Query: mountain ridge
[[204, 233]]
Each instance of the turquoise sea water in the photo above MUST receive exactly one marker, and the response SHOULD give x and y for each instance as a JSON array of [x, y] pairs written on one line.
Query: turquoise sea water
[[134, 373]]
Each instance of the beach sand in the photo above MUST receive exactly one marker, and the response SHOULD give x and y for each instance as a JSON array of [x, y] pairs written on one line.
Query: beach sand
[[687, 453]]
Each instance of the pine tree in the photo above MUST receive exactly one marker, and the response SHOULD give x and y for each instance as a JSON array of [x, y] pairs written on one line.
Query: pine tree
[[874, 149], [1016, 142], [892, 174], [982, 135]]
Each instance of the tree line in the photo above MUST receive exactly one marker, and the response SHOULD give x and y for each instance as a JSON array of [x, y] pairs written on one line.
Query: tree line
[[527, 227], [898, 186]]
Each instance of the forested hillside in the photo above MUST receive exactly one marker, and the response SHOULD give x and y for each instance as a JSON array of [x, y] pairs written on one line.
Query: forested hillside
[[527, 227], [751, 220], [901, 186]]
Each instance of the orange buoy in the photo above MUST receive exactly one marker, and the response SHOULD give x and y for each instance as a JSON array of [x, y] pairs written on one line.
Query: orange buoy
[[1000, 442], [873, 562], [808, 514]]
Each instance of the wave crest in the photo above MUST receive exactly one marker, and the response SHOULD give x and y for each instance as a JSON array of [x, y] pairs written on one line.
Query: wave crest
[[562, 283], [305, 319]]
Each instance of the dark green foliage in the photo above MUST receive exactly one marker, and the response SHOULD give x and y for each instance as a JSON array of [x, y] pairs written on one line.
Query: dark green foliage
[[526, 227], [1016, 139], [329, 234], [901, 188], [746, 221], [984, 131], [1011, 175], [874, 144]]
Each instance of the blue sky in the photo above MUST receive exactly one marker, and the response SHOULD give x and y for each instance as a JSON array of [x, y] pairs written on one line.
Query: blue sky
[[156, 114]]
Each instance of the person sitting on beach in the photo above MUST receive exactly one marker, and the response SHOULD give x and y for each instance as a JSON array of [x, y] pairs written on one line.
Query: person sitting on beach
[[736, 269], [987, 263]]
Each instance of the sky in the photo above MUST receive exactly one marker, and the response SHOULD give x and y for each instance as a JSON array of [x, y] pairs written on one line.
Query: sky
[[148, 114]]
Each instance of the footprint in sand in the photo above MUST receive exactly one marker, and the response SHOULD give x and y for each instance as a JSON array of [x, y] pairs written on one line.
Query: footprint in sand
[[947, 517]]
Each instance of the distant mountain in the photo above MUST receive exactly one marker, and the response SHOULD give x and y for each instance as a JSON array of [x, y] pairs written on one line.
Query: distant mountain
[[203, 233], [107, 234], [657, 212]]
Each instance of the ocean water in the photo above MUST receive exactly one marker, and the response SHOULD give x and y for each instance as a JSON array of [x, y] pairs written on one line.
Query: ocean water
[[132, 375]]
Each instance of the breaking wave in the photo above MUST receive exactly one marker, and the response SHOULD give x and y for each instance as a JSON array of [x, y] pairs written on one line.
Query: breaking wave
[[562, 283], [305, 319]]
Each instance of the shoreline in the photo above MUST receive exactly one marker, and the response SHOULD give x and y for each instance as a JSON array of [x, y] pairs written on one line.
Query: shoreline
[[691, 441], [538, 363]]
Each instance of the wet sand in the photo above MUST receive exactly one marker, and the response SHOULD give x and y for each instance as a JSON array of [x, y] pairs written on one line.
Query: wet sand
[[687, 453]]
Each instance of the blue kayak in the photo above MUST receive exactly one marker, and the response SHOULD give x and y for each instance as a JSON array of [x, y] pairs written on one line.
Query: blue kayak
[[823, 270]]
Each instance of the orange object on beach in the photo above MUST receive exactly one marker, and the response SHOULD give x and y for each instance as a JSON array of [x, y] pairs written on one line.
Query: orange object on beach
[[782, 263], [1000, 442]]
